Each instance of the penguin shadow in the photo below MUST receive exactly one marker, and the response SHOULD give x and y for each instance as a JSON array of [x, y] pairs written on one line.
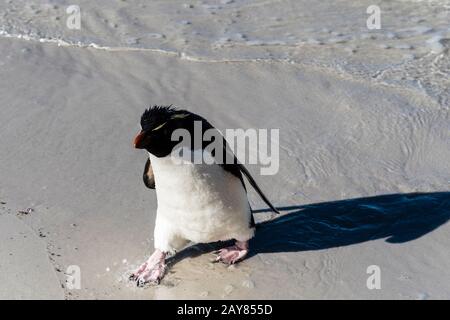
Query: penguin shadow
[[398, 218]]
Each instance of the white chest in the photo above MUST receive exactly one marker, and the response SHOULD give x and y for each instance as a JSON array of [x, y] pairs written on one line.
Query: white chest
[[201, 202], [189, 186]]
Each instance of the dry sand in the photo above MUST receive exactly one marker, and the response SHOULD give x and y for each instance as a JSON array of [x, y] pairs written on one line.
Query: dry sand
[[355, 126]]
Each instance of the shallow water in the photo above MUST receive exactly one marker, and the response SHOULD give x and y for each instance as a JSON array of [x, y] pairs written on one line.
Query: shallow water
[[414, 37]]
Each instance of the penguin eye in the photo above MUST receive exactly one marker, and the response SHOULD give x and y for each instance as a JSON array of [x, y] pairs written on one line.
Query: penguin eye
[[160, 126]]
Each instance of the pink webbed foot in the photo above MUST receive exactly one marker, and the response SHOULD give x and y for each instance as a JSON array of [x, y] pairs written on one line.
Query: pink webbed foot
[[151, 271], [233, 254]]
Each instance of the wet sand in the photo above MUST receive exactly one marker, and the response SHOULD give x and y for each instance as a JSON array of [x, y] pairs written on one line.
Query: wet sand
[[363, 176]]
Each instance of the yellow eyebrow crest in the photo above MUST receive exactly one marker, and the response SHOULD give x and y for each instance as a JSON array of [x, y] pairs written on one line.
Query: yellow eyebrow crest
[[180, 116], [160, 126]]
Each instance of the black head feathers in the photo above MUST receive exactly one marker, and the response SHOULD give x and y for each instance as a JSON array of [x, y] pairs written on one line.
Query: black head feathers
[[158, 124], [156, 115]]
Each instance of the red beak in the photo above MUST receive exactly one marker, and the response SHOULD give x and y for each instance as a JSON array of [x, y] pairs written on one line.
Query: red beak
[[138, 140]]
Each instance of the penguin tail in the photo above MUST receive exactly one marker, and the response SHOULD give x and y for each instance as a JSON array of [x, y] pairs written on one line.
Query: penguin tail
[[257, 189]]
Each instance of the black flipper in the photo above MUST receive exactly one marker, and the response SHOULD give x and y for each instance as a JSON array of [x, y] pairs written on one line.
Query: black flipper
[[148, 176], [236, 168], [256, 187]]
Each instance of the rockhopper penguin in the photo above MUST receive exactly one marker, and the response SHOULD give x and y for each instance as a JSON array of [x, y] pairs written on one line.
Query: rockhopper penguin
[[197, 202]]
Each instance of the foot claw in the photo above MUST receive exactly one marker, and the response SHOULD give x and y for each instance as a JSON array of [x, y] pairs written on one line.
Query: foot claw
[[231, 255], [151, 275], [151, 271]]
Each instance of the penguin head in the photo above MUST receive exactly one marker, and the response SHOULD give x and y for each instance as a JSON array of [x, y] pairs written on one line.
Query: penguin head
[[158, 123]]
